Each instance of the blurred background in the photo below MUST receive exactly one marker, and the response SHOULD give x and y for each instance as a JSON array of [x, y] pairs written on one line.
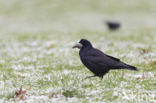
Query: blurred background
[[71, 20], [47, 16]]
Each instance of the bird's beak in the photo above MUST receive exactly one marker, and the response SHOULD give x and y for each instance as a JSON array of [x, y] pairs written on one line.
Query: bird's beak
[[77, 45]]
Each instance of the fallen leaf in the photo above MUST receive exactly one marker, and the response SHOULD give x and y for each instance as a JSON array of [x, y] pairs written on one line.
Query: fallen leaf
[[20, 93], [50, 46], [144, 51], [52, 95]]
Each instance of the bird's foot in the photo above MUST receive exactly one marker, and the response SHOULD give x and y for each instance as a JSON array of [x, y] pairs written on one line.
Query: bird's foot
[[90, 76]]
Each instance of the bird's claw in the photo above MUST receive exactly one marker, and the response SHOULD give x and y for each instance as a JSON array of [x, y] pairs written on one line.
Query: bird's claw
[[90, 76]]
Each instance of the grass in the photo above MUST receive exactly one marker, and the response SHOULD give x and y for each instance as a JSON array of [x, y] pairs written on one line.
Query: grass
[[36, 39]]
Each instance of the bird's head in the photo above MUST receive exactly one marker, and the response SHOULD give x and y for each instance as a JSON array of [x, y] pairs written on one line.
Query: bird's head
[[83, 43]]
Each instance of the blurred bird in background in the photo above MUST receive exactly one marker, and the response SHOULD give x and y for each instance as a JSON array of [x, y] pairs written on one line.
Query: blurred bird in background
[[112, 25]]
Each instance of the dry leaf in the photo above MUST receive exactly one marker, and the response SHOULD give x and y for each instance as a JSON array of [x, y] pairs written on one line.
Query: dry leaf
[[143, 76], [50, 46], [20, 93], [52, 95], [144, 51]]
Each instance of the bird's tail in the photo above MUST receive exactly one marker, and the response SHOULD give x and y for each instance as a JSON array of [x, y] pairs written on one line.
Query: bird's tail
[[122, 65], [131, 67]]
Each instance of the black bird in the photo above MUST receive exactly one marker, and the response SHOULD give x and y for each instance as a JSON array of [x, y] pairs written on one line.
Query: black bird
[[113, 25], [98, 62]]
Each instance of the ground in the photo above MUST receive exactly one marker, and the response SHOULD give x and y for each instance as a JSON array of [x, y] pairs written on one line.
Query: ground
[[38, 64]]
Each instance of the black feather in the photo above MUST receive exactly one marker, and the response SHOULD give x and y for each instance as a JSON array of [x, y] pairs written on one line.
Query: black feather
[[98, 62]]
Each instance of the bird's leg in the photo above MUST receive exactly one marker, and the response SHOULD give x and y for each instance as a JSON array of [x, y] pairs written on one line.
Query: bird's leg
[[90, 76], [101, 78]]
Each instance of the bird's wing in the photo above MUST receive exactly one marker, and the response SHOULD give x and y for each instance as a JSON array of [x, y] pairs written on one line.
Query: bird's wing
[[100, 59], [112, 57]]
